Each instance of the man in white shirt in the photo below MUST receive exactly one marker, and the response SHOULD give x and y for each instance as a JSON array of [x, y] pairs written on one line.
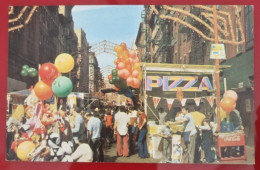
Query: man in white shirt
[[190, 134], [121, 129]]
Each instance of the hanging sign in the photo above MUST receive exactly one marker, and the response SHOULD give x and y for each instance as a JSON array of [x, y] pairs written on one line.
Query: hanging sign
[[217, 51], [170, 102]]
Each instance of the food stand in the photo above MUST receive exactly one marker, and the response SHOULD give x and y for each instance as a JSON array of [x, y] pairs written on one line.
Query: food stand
[[161, 85]]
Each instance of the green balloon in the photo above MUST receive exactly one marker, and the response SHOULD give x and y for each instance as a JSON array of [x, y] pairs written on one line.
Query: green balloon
[[117, 78], [114, 72], [114, 78], [62, 86], [111, 81], [24, 73], [32, 72], [25, 67]]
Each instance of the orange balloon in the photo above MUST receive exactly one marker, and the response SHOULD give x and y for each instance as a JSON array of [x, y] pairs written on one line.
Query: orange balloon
[[228, 104], [123, 46], [117, 48], [43, 91], [115, 61]]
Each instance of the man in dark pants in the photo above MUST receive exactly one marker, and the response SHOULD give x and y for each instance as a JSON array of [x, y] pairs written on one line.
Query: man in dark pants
[[94, 129]]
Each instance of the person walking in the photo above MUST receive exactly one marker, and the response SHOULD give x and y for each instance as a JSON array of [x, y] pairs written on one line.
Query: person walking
[[94, 129], [142, 127], [121, 130]]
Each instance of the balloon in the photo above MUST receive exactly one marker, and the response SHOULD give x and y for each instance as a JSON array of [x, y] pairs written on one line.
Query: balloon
[[25, 67], [126, 73], [135, 73], [42, 90], [24, 149], [228, 104], [24, 73], [223, 113], [120, 73], [132, 54], [116, 88], [140, 76], [136, 83], [109, 77], [117, 48], [114, 72], [48, 73], [137, 66], [123, 46], [120, 65], [117, 78], [136, 60], [64, 62], [62, 86], [115, 61], [230, 93], [111, 81], [32, 72], [129, 81]]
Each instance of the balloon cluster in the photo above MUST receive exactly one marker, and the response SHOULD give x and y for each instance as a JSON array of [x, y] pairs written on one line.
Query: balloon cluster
[[51, 79], [228, 103], [127, 66], [28, 71]]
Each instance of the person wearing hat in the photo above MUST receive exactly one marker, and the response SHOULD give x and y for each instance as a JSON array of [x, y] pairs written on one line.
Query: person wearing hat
[[94, 129]]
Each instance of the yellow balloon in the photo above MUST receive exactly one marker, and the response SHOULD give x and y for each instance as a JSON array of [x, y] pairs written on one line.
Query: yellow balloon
[[137, 66], [24, 149], [223, 113], [64, 62], [140, 76]]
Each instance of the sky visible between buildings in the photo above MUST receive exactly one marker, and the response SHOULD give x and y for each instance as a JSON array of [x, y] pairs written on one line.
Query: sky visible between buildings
[[114, 23]]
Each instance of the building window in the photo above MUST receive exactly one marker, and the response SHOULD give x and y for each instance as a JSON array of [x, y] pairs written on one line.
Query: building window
[[249, 26]]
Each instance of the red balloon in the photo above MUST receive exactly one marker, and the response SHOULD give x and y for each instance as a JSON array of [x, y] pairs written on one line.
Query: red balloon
[[48, 73], [109, 77], [228, 104], [43, 91]]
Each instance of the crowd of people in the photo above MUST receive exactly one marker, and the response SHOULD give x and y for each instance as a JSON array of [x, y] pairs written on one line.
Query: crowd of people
[[76, 134]]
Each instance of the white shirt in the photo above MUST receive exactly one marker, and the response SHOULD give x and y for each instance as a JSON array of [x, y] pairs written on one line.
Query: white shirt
[[122, 120], [83, 153], [190, 125]]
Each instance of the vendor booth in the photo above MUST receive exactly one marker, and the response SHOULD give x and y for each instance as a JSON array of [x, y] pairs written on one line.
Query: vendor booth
[[171, 86]]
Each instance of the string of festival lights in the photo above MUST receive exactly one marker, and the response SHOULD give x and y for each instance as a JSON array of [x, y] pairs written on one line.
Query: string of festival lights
[[19, 16], [208, 16]]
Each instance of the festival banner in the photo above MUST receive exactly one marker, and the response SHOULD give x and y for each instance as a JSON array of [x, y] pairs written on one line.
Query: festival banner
[[210, 100], [170, 102], [197, 101], [156, 101], [183, 102]]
